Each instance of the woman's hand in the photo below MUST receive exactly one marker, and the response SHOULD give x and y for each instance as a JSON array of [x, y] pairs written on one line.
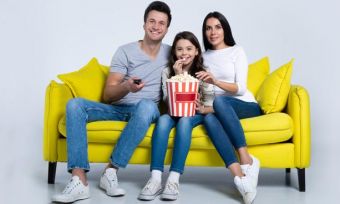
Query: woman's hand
[[178, 66], [199, 106], [206, 77]]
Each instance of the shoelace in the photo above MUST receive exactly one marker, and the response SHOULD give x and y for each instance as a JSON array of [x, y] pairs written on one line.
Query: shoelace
[[112, 179], [70, 186], [149, 186], [172, 187]]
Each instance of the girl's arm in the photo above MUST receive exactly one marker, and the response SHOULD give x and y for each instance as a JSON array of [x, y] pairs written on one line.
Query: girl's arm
[[165, 76]]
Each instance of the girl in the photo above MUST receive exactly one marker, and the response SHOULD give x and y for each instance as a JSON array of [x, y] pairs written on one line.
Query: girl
[[227, 63], [185, 56]]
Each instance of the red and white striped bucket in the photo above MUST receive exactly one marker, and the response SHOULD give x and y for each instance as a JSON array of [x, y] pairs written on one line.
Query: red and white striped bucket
[[181, 98]]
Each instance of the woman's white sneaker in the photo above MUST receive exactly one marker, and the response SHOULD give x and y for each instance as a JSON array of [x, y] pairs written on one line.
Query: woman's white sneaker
[[109, 183], [252, 171], [246, 189], [151, 190], [171, 191], [74, 190]]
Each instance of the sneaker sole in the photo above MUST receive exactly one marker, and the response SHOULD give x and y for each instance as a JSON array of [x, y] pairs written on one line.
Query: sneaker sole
[[149, 197], [169, 197], [84, 197], [118, 192]]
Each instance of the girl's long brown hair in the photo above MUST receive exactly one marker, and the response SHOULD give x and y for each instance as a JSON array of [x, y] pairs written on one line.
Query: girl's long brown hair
[[197, 64]]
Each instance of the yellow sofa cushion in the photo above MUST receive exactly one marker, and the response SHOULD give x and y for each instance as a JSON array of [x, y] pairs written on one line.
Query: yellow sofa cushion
[[88, 82], [264, 129], [273, 93], [257, 72]]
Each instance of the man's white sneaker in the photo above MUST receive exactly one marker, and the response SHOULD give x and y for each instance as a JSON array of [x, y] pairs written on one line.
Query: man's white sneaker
[[171, 191], [252, 171], [246, 189], [151, 190], [109, 183], [74, 190]]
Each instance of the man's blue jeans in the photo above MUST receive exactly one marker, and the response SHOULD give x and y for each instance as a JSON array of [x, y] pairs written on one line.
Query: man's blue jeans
[[224, 127], [160, 137], [80, 111]]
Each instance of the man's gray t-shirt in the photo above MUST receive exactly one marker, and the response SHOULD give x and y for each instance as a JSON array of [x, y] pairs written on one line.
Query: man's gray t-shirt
[[131, 61]]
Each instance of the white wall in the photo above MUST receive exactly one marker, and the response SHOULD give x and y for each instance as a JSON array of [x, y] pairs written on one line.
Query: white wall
[[40, 39]]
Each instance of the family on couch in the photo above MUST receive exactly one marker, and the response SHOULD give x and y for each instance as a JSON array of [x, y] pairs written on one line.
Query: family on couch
[[133, 91]]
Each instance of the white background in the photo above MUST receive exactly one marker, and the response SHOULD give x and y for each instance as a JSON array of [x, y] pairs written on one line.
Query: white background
[[40, 39]]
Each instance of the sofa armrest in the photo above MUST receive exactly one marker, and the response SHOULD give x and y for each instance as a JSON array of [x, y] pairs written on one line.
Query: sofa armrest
[[298, 107], [56, 98]]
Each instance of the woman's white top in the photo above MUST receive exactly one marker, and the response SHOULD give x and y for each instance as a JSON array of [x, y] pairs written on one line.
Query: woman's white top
[[229, 65]]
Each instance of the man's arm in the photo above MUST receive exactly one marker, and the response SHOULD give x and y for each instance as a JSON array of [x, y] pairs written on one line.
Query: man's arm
[[116, 88]]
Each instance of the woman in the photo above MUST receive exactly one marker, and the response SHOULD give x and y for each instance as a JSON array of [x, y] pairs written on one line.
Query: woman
[[228, 68]]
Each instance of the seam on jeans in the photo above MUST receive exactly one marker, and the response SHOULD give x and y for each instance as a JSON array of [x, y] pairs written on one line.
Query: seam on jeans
[[177, 170], [77, 167], [116, 164], [157, 168]]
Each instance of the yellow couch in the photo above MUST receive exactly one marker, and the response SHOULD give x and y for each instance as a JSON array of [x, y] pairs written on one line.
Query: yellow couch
[[278, 139]]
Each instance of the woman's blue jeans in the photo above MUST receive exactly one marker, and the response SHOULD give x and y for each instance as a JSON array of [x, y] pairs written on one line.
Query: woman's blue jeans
[[160, 137], [80, 111], [224, 127]]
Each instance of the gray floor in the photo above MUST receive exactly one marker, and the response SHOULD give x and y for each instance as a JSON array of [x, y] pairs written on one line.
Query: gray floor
[[25, 181]]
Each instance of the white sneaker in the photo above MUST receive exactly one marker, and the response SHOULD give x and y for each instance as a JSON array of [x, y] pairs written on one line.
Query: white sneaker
[[109, 183], [252, 171], [247, 190], [171, 191], [151, 190], [74, 190]]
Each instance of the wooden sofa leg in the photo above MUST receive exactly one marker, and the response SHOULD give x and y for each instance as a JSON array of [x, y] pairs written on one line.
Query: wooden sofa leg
[[302, 182], [52, 167], [287, 170]]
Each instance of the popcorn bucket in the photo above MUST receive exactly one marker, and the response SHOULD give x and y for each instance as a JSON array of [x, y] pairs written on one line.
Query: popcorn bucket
[[182, 97]]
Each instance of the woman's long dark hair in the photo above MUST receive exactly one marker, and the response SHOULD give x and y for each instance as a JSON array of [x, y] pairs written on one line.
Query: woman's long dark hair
[[228, 36], [197, 64]]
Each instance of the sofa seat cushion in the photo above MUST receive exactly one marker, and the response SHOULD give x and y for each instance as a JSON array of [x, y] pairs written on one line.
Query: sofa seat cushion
[[265, 129]]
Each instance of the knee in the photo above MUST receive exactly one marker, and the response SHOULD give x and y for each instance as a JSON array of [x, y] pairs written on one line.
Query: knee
[[146, 109], [184, 123], [221, 103], [209, 118], [74, 104], [164, 120]]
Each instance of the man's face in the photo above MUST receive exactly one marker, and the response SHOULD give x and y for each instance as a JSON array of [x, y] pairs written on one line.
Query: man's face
[[156, 25]]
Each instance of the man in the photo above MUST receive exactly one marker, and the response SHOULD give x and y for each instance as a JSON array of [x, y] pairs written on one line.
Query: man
[[132, 92]]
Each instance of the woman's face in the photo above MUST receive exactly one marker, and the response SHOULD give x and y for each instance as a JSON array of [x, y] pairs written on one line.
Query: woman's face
[[185, 51], [215, 33]]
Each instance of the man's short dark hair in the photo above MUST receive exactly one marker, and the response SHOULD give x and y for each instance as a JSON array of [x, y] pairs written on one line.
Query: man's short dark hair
[[158, 6]]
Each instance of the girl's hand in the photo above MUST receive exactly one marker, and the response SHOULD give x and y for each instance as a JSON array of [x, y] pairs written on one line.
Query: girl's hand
[[206, 77], [178, 67]]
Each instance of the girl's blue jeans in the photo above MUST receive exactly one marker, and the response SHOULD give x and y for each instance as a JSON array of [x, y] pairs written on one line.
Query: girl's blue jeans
[[224, 127], [160, 137]]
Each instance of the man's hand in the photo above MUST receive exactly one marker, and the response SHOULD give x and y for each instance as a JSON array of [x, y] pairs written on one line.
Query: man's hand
[[132, 86]]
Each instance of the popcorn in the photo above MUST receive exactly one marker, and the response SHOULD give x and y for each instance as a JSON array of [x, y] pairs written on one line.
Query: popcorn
[[185, 77]]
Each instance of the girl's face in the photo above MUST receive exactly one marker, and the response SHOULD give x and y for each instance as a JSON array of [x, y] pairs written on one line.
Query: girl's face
[[185, 51], [215, 33]]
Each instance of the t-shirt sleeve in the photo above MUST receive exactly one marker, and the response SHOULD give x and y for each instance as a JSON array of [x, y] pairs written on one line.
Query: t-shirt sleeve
[[119, 62], [241, 71]]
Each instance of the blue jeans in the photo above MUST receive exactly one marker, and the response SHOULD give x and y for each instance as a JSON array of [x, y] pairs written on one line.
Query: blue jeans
[[181, 148], [80, 111], [224, 127]]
